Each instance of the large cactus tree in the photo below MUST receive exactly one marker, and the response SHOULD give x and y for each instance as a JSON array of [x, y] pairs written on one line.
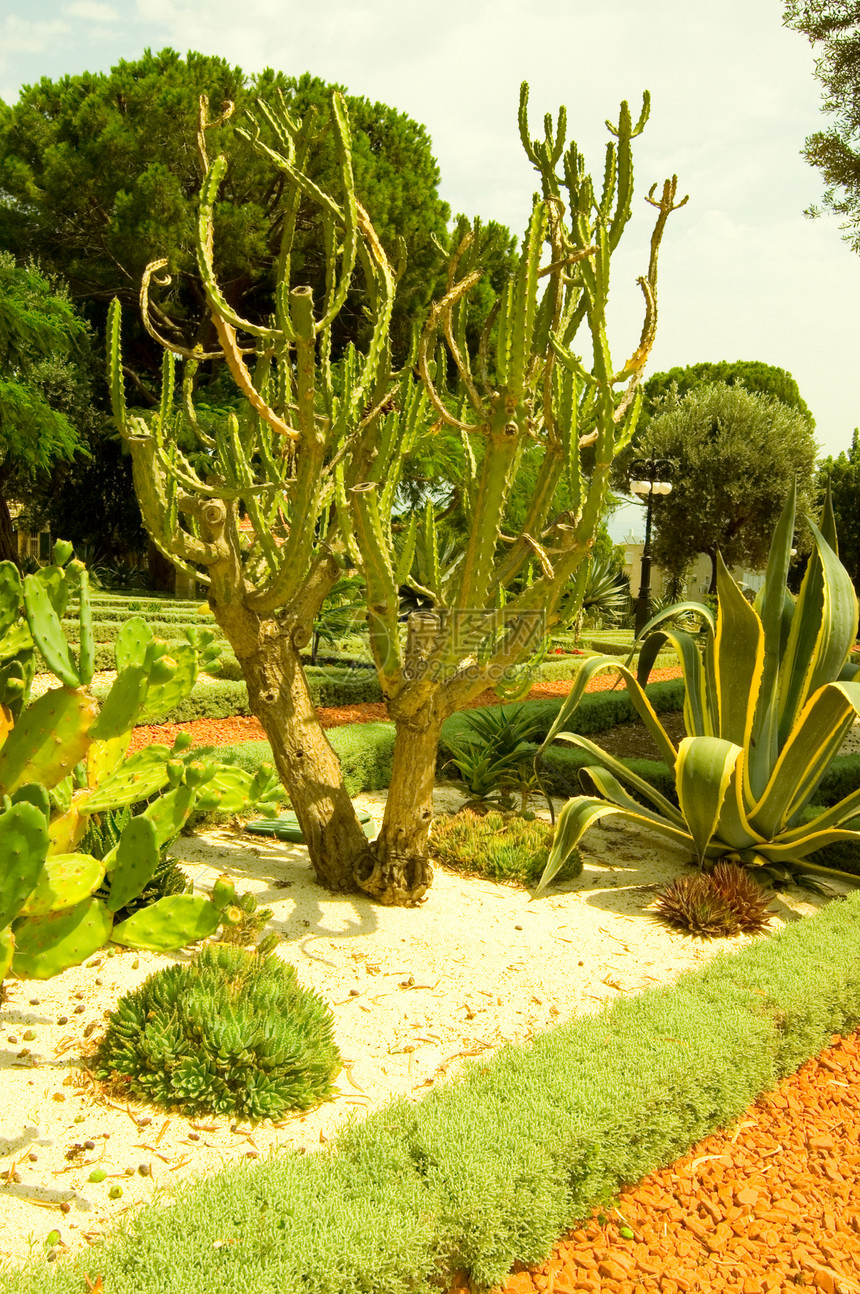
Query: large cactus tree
[[315, 455]]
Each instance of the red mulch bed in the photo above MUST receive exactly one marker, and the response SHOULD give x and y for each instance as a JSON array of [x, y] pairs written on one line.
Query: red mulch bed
[[224, 732]]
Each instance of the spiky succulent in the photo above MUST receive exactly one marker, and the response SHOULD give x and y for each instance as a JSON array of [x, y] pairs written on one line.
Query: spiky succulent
[[502, 846], [743, 894], [232, 1032], [695, 904]]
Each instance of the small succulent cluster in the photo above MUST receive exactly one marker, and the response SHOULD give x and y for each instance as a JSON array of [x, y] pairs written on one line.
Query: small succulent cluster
[[502, 846], [724, 901], [232, 1032]]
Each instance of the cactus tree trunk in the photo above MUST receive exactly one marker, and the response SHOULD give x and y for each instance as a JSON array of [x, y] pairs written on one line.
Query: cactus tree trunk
[[401, 871], [307, 766]]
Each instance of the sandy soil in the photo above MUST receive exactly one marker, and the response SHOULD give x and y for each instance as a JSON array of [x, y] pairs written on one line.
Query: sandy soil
[[414, 992]]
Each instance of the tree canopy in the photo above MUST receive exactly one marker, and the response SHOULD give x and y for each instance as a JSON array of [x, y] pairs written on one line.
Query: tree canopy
[[843, 476], [834, 26], [735, 453], [39, 332], [99, 176], [752, 375]]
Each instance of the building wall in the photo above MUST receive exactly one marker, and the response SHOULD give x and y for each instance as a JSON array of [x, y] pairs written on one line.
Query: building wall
[[38, 546], [698, 578]]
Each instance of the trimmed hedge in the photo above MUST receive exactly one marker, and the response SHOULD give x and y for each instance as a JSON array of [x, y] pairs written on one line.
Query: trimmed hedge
[[365, 751], [106, 631], [844, 855], [491, 1168], [332, 687], [211, 699]]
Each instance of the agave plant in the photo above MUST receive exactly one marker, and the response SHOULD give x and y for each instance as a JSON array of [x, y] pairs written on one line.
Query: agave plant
[[769, 697], [489, 759]]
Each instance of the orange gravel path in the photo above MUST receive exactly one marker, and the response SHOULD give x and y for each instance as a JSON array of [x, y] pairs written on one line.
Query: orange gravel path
[[771, 1205], [223, 732]]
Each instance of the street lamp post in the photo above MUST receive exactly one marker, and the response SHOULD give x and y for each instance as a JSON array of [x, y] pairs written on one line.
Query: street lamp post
[[645, 473]]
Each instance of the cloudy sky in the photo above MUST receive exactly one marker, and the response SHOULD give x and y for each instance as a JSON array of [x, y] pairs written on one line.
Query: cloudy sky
[[743, 274]]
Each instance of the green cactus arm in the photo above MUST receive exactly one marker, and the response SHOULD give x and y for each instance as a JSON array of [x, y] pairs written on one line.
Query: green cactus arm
[[428, 340], [407, 552], [188, 375], [524, 302], [546, 485], [500, 451], [453, 320], [206, 208], [146, 310], [178, 545], [350, 222], [116, 383], [239, 372], [380, 284], [382, 598]]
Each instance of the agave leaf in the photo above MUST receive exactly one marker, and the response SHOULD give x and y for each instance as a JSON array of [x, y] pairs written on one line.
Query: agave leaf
[[806, 755], [679, 609], [734, 827], [822, 632], [623, 773], [771, 607], [637, 694], [700, 718], [738, 659], [783, 851], [835, 816], [702, 775], [584, 675], [603, 781], [574, 820]]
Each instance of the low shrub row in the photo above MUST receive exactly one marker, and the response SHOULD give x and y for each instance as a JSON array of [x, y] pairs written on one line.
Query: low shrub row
[[365, 751], [211, 699], [490, 1169], [106, 631]]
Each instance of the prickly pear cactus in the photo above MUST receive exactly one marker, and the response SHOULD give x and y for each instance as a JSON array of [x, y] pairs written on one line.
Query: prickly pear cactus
[[63, 760]]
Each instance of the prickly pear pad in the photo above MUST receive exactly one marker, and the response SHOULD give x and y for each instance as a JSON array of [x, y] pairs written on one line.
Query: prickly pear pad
[[172, 922], [46, 945], [23, 845], [65, 881], [48, 740]]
